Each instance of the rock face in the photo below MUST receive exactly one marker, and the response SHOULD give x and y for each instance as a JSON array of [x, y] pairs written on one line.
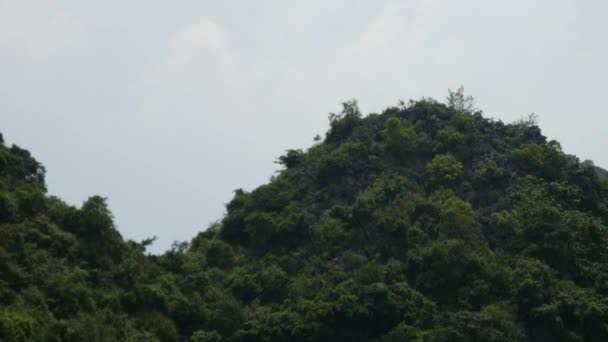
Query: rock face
[[419, 223], [601, 173]]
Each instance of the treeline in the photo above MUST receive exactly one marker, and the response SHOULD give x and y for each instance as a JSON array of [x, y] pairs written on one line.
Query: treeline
[[426, 222]]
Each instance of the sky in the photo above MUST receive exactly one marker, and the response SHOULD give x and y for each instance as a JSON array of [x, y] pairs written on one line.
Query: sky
[[167, 107]]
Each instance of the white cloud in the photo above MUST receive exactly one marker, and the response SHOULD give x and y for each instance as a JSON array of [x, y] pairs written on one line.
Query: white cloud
[[201, 50], [423, 47], [198, 75], [28, 31], [200, 107]]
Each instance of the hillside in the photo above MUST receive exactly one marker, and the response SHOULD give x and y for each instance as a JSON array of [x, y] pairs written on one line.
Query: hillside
[[426, 222], [601, 173]]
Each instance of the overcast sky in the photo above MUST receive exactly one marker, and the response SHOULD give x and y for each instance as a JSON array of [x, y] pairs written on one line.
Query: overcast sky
[[166, 107]]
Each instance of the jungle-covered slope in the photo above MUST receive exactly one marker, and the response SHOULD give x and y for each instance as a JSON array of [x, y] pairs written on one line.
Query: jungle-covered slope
[[424, 222]]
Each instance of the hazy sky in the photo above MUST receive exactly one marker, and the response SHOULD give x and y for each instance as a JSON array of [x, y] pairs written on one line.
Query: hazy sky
[[166, 107]]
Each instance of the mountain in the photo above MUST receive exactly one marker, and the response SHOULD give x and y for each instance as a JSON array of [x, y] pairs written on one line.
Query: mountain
[[601, 173], [424, 222]]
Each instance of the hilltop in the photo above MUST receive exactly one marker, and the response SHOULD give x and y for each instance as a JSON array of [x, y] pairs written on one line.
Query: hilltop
[[426, 222]]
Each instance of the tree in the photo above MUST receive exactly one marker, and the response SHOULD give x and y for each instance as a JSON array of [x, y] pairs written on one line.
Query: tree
[[292, 159], [444, 169], [504, 238], [400, 137], [488, 174], [461, 103], [530, 120], [342, 124]]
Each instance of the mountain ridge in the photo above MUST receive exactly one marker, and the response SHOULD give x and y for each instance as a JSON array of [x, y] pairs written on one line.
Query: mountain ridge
[[424, 222]]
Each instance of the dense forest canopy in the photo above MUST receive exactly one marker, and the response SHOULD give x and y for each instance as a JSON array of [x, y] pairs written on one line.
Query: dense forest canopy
[[426, 222]]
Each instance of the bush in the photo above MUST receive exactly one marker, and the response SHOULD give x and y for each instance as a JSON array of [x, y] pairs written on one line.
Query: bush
[[444, 169], [205, 336], [341, 125], [159, 325], [448, 138], [488, 174], [292, 159], [400, 137], [219, 254]]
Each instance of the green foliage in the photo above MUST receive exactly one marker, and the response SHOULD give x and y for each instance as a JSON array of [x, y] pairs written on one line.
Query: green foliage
[[460, 102], [344, 160], [531, 120], [456, 218], [15, 326], [8, 211], [443, 268], [262, 227], [274, 282], [243, 284], [219, 254], [162, 327], [292, 159], [449, 137], [425, 223], [488, 174], [400, 137], [492, 323], [341, 125], [206, 336], [601, 173], [546, 160], [18, 166], [466, 123], [444, 169], [332, 233]]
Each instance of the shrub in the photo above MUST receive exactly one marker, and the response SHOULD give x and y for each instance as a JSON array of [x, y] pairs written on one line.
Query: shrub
[[444, 169]]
